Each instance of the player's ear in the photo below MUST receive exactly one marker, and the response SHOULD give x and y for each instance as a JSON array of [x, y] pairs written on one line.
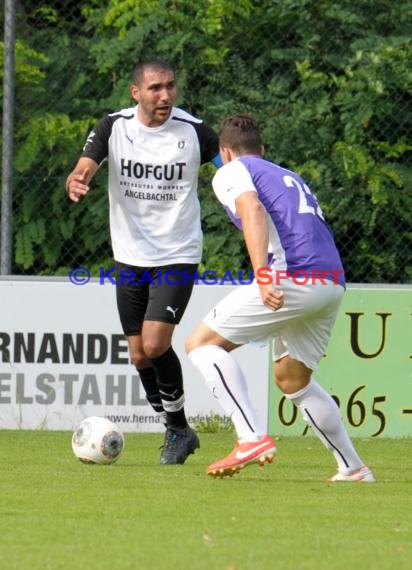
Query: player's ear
[[134, 90], [226, 154]]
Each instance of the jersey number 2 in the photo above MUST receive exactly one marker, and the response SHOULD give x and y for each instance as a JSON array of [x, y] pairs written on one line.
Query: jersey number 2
[[305, 198]]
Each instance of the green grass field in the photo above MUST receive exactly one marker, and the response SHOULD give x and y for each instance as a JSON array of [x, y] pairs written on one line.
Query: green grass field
[[57, 513]]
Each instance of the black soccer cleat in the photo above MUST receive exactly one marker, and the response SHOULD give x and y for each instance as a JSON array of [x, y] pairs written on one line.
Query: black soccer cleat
[[178, 445]]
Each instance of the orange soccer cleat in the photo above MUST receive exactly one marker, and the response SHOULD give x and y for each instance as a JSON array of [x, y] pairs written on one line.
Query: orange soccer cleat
[[244, 454]]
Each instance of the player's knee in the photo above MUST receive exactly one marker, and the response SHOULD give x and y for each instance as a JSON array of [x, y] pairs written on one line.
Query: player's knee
[[139, 359], [154, 347], [282, 383], [291, 375], [202, 336], [281, 378], [291, 385]]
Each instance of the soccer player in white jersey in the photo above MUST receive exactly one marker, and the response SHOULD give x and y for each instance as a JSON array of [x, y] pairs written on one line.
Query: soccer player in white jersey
[[294, 299], [154, 151]]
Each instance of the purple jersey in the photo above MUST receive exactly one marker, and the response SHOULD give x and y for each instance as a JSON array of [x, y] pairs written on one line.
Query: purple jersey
[[300, 241]]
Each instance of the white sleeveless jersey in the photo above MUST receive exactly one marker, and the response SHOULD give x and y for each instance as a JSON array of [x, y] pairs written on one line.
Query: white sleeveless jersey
[[153, 178]]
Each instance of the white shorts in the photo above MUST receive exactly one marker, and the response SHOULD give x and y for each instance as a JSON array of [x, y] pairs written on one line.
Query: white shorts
[[301, 328]]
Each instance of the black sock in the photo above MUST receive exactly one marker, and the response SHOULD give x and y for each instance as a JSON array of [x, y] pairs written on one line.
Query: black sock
[[149, 382], [170, 385]]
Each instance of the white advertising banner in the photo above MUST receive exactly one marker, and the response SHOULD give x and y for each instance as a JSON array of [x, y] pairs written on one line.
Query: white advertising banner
[[63, 357]]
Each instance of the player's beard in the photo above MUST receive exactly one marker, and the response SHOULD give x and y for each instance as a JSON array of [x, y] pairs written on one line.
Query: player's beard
[[154, 116]]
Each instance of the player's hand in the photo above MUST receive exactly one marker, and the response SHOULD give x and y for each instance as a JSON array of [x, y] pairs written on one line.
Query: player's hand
[[271, 297], [77, 186]]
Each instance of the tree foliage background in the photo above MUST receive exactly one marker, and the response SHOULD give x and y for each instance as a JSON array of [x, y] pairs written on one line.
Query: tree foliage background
[[329, 81]]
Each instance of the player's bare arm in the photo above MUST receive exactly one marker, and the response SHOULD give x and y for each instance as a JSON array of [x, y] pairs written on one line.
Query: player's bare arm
[[77, 183], [255, 231]]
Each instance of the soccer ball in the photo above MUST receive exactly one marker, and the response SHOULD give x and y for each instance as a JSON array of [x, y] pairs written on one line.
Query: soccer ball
[[97, 440]]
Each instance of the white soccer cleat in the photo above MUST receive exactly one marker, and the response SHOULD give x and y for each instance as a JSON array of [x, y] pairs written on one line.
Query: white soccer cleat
[[361, 475]]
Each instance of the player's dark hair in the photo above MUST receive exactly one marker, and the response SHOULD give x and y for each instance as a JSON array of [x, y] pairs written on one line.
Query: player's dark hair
[[154, 64], [241, 133]]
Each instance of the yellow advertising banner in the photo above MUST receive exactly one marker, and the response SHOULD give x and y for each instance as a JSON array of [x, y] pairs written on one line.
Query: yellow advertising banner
[[367, 367]]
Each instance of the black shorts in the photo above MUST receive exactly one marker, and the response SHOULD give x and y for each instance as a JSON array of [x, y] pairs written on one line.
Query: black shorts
[[153, 294]]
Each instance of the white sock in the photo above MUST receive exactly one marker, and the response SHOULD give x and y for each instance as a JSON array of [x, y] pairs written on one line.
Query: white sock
[[226, 382], [321, 412]]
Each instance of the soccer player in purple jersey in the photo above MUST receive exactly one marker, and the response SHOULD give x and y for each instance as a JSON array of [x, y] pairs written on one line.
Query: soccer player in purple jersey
[[294, 300]]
